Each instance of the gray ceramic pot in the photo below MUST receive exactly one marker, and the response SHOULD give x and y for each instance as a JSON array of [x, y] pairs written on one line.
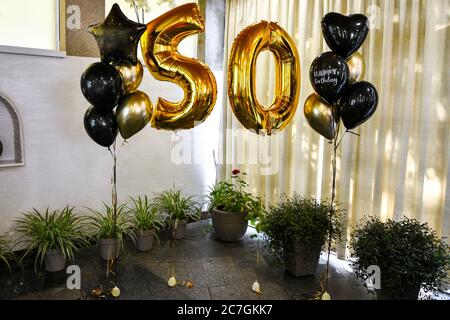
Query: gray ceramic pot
[[303, 260], [179, 232], [144, 240], [54, 260], [229, 226], [106, 247]]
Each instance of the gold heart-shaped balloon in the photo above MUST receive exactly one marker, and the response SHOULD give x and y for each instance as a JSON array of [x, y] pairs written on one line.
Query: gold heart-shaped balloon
[[133, 113], [321, 116]]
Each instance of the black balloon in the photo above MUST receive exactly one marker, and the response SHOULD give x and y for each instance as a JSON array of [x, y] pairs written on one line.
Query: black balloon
[[101, 85], [118, 37], [101, 127], [358, 104], [344, 35], [329, 76]]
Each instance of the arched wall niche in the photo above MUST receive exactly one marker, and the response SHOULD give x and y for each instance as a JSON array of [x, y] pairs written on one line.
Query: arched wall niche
[[11, 134]]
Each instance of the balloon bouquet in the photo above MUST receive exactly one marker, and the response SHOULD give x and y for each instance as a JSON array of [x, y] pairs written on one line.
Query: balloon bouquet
[[113, 82], [111, 85], [340, 94]]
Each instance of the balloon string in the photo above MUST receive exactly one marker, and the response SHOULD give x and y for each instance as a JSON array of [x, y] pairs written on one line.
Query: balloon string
[[173, 160], [258, 256], [122, 145], [114, 207], [336, 142], [354, 133]]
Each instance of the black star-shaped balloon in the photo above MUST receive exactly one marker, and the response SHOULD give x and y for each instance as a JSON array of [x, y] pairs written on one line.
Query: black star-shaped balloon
[[117, 37]]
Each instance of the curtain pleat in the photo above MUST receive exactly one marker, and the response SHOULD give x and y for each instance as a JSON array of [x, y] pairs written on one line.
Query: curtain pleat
[[398, 166]]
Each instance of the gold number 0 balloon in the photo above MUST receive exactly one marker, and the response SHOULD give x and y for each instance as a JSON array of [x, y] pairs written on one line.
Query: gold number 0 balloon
[[242, 77], [159, 47]]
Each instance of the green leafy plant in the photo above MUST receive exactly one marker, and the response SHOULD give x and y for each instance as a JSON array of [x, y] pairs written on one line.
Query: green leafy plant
[[408, 253], [6, 253], [62, 230], [105, 227], [231, 196], [145, 215], [295, 219], [176, 206]]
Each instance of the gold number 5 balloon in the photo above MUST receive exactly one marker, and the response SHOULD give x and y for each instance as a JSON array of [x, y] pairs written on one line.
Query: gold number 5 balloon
[[159, 47], [242, 72]]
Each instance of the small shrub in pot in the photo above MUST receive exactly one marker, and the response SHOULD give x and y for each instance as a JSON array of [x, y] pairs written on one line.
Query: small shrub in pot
[[409, 254], [295, 230]]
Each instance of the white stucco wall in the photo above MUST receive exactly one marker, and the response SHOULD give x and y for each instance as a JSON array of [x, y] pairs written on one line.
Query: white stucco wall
[[64, 166]]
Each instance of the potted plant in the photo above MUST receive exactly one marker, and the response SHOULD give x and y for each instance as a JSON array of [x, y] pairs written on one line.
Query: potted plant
[[178, 210], [54, 236], [295, 230], [110, 232], [231, 207], [408, 253], [146, 221]]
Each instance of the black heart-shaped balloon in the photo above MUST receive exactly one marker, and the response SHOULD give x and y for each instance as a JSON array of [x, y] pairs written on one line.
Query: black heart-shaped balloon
[[101, 127], [329, 76], [358, 104], [344, 35]]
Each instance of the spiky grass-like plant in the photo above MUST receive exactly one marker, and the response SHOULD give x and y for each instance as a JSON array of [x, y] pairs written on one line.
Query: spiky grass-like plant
[[40, 231], [177, 207], [6, 253], [144, 215], [104, 226]]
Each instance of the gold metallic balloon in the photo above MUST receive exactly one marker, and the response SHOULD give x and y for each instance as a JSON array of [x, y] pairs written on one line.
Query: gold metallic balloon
[[133, 113], [131, 75], [159, 47], [322, 117], [242, 77], [357, 67]]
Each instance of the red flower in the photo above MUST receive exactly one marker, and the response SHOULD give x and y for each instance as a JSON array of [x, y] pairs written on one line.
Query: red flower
[[236, 171]]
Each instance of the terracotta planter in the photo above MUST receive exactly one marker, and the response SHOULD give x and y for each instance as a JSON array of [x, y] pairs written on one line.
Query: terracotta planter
[[54, 260], [179, 232], [144, 240], [303, 260], [106, 247], [229, 226]]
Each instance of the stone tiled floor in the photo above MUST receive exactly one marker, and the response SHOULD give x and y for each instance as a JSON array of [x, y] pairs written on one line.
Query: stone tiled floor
[[218, 270]]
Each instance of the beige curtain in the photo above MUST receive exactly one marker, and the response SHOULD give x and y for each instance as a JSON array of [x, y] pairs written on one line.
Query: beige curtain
[[399, 164]]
